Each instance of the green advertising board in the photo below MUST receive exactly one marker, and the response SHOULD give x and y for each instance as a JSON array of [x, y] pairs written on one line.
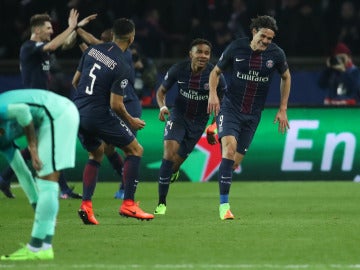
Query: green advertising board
[[320, 145]]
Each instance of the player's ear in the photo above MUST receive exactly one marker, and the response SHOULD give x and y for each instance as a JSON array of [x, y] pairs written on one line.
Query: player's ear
[[35, 29], [132, 38], [254, 31]]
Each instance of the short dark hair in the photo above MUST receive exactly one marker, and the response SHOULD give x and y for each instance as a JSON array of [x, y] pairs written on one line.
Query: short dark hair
[[106, 35], [198, 41], [39, 19], [263, 22], [123, 27]]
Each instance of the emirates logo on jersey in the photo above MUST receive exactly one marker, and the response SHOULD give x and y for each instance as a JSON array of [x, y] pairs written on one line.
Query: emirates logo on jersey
[[269, 63], [124, 83]]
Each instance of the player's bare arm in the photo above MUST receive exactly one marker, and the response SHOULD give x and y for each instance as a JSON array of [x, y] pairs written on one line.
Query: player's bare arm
[[71, 39], [21, 112], [281, 116], [161, 101], [117, 105], [76, 79], [86, 20], [214, 102], [32, 146], [60, 39], [87, 37]]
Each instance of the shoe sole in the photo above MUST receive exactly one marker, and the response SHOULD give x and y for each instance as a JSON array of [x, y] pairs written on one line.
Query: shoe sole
[[159, 213], [84, 218], [26, 259], [33, 257], [227, 218], [139, 218]]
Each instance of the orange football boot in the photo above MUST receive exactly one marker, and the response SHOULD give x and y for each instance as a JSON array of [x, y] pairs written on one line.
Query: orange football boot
[[131, 209], [86, 213]]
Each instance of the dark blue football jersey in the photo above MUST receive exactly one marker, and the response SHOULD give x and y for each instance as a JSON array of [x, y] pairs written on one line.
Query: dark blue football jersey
[[251, 74], [34, 65], [103, 71], [193, 90], [131, 100]]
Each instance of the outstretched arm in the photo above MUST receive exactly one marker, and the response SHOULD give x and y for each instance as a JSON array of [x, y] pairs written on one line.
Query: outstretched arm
[[70, 41], [87, 37], [60, 39]]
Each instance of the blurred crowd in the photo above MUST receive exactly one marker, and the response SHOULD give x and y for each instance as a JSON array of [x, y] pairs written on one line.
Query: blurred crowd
[[164, 28]]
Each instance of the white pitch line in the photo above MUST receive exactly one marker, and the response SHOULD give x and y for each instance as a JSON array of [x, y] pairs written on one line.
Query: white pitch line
[[39, 265]]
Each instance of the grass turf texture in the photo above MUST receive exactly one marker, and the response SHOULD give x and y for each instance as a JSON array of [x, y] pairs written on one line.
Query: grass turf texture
[[278, 225]]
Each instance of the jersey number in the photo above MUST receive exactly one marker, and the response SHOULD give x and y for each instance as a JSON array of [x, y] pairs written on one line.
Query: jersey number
[[89, 90], [221, 119]]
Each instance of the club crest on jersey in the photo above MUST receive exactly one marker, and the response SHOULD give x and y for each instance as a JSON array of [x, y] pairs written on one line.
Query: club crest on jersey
[[269, 63], [206, 86], [124, 83]]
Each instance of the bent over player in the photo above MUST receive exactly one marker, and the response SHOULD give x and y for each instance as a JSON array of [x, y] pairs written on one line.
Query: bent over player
[[56, 121]]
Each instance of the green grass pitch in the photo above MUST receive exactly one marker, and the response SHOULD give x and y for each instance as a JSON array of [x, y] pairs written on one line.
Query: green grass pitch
[[277, 226]]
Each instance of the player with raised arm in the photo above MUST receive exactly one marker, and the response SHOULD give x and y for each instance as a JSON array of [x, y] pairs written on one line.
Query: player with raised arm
[[35, 73], [101, 79]]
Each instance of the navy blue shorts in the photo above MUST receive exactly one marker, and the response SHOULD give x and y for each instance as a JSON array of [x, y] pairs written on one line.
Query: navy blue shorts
[[187, 133], [241, 126], [110, 129]]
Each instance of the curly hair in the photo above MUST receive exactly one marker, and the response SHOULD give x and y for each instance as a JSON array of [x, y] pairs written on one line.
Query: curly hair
[[198, 41], [263, 22]]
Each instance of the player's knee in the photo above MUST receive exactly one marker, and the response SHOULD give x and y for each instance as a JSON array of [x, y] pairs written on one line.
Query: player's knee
[[229, 153], [139, 150], [97, 154], [170, 155], [109, 149], [135, 149]]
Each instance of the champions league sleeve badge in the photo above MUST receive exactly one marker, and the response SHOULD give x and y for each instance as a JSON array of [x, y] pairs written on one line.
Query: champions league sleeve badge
[[124, 83]]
